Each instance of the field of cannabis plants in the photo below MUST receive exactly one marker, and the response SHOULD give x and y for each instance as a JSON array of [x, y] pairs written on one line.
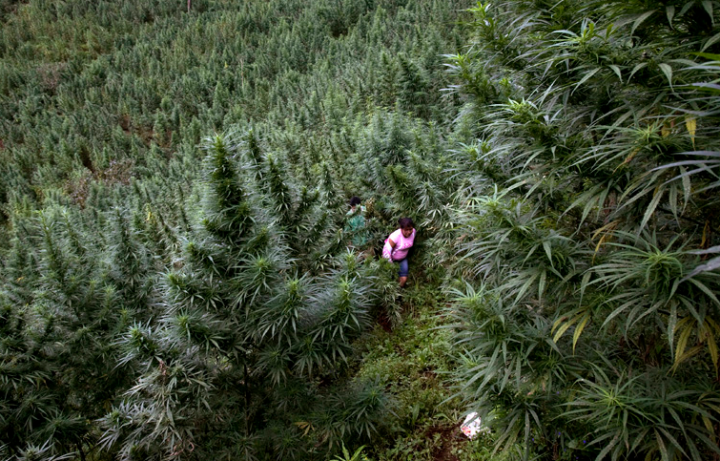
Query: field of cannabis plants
[[587, 320], [175, 278]]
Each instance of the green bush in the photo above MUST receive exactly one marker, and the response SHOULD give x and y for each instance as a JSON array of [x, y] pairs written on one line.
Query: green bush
[[587, 325]]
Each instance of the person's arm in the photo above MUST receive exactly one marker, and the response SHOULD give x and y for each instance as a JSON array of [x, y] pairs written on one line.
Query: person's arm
[[394, 238]]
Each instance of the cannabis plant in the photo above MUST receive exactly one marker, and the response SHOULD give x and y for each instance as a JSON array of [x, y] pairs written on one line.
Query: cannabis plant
[[588, 324], [233, 360]]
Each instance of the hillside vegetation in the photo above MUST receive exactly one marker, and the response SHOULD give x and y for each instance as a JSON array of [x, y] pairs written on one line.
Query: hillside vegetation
[[175, 281]]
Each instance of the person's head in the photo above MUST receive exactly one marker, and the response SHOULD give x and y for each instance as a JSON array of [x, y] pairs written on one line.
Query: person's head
[[406, 226], [355, 201]]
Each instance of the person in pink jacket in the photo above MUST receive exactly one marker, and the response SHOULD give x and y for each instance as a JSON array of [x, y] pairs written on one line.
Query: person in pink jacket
[[397, 246]]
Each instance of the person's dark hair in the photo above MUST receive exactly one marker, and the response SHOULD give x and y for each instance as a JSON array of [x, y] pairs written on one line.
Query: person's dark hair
[[405, 223], [355, 201]]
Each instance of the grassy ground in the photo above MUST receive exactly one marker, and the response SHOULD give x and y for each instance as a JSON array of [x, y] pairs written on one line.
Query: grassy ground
[[414, 362]]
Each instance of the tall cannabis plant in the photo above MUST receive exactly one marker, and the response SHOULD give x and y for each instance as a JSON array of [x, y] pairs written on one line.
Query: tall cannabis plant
[[58, 319], [588, 326], [231, 364]]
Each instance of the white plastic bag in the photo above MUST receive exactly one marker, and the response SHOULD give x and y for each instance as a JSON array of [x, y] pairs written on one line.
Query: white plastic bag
[[472, 425]]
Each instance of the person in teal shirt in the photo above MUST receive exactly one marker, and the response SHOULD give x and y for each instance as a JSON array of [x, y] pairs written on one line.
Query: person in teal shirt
[[355, 223]]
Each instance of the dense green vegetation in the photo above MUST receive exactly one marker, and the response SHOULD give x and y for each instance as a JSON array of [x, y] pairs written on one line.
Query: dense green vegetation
[[170, 292], [589, 322], [174, 278]]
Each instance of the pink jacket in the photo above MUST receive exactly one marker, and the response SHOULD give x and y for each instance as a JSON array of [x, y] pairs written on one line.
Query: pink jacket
[[402, 246]]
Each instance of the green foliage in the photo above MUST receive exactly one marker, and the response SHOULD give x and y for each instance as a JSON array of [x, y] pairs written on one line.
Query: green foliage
[[235, 312], [164, 296], [58, 325], [587, 325], [411, 360], [201, 303]]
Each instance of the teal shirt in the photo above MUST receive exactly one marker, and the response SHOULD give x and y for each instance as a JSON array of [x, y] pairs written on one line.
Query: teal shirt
[[355, 226]]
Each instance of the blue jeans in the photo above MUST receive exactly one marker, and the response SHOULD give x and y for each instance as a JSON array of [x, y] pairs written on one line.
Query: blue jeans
[[404, 269]]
